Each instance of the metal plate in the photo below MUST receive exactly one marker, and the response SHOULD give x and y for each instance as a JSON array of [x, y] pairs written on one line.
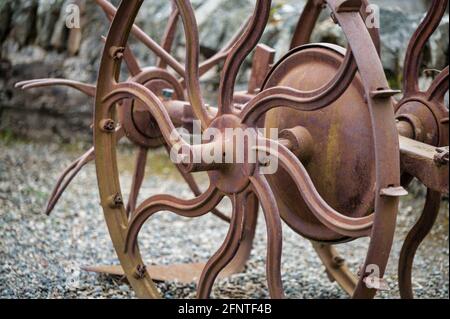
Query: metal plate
[[342, 165]]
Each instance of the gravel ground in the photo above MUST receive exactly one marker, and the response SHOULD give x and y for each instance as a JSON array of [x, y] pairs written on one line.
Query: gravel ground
[[41, 257]]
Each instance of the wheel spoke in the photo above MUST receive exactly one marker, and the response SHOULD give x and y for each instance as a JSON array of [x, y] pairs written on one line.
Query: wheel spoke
[[274, 235], [138, 178], [169, 34], [187, 208], [302, 100], [439, 87], [413, 240], [418, 43], [353, 227], [111, 11], [246, 43], [137, 91], [227, 251], [310, 16]]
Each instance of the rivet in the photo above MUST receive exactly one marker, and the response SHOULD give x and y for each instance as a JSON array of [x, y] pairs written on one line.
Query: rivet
[[140, 271], [116, 53], [115, 201], [107, 125]]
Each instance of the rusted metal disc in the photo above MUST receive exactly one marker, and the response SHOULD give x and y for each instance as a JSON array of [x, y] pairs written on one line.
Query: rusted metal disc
[[137, 122], [342, 164]]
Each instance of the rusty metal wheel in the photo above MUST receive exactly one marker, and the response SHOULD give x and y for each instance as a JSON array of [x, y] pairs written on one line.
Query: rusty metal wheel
[[246, 203], [340, 160], [422, 117], [240, 182], [136, 124]]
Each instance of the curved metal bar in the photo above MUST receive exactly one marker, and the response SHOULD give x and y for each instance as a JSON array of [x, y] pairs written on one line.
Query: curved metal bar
[[66, 178], [169, 34], [155, 106], [187, 208], [414, 52], [131, 62], [192, 62], [208, 64], [439, 87], [347, 226], [173, 139], [413, 240], [274, 235], [87, 89], [189, 179], [310, 15], [386, 143], [239, 53], [303, 100], [227, 251], [129, 57], [138, 178], [307, 22], [70, 173], [336, 267], [105, 157], [111, 11], [239, 262]]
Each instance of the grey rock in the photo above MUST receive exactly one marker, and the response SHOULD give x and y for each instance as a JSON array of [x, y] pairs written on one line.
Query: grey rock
[[35, 43]]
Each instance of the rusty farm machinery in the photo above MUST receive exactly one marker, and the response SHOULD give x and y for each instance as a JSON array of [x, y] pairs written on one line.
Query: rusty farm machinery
[[348, 145]]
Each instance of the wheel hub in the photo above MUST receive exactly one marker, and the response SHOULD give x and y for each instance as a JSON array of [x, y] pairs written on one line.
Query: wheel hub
[[233, 178]]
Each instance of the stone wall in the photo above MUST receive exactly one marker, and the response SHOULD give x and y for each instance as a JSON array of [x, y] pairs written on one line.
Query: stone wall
[[35, 43]]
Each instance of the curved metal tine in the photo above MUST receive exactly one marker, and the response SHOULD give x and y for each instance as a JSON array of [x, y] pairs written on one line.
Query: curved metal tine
[[208, 64], [130, 60], [66, 178], [439, 87], [309, 17], [413, 240], [169, 34], [307, 22], [239, 262], [87, 89], [71, 172], [228, 250], [420, 38], [138, 178], [190, 180], [192, 76], [138, 91], [344, 225], [192, 208], [274, 235], [110, 12], [246, 43]]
